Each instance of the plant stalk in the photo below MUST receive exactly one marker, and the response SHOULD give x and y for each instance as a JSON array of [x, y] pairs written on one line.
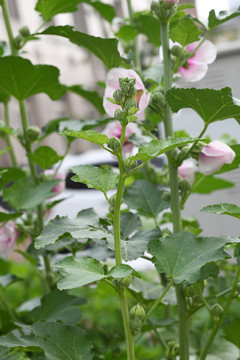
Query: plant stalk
[[136, 55], [7, 138], [5, 11]]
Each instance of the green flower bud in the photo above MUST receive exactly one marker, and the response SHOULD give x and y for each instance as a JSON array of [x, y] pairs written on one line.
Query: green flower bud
[[114, 143], [132, 91], [125, 87], [118, 95], [24, 31], [155, 7], [132, 82], [130, 103], [18, 42], [172, 350], [130, 163], [136, 326], [166, 196], [176, 50], [126, 281], [33, 133], [118, 114], [184, 185], [137, 311], [216, 311]]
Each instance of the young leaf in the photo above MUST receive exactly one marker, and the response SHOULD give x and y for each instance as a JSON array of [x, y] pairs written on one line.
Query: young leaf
[[105, 49], [214, 21], [206, 184], [211, 105], [223, 209], [181, 256], [157, 147], [95, 177], [105, 10], [232, 332], [31, 80], [92, 96], [185, 32], [10, 174], [89, 135], [45, 157]]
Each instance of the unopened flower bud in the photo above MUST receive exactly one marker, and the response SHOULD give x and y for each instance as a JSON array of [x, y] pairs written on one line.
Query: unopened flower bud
[[176, 50], [216, 311], [118, 114], [126, 281], [18, 42], [125, 87], [130, 103], [130, 163], [132, 91], [33, 133], [24, 31], [172, 350], [155, 7], [118, 95], [166, 196], [137, 311], [114, 143], [132, 82], [184, 185], [136, 326]]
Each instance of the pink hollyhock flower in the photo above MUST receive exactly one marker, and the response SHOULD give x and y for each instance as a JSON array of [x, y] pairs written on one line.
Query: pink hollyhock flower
[[112, 84], [60, 187], [213, 156], [187, 170], [114, 129], [197, 65], [8, 238]]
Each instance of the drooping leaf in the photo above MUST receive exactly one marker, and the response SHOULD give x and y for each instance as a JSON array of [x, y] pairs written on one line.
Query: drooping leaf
[[25, 195], [149, 26], [181, 256], [105, 49], [209, 269], [214, 21], [154, 73], [95, 177], [129, 223], [31, 80], [223, 209], [126, 33], [206, 184], [232, 332], [211, 105], [105, 10], [45, 157], [12, 354], [158, 147], [185, 32], [150, 203], [92, 96], [89, 135]]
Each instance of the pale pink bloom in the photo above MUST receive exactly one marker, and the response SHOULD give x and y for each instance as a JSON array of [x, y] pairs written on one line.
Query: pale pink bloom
[[112, 84], [114, 129], [198, 64], [60, 187], [187, 170], [213, 156], [8, 238]]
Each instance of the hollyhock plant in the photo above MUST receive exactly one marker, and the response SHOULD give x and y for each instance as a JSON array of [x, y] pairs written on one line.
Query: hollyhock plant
[[114, 129], [59, 188], [213, 156], [112, 84], [8, 238], [187, 170], [196, 67]]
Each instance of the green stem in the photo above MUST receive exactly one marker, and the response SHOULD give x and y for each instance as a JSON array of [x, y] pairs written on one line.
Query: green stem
[[203, 298], [7, 138], [136, 55], [175, 201], [221, 319], [3, 3]]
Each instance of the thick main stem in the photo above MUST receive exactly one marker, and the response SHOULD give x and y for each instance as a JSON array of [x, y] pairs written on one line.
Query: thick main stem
[[175, 202], [3, 3], [8, 139]]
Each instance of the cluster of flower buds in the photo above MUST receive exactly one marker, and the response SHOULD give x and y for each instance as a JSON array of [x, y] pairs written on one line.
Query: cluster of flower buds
[[24, 33], [157, 100], [122, 283], [137, 315], [172, 350], [216, 311], [164, 9]]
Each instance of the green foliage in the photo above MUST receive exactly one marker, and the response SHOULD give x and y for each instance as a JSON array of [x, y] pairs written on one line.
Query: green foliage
[[45, 157], [129, 223], [214, 21], [149, 26], [185, 32], [8, 216], [211, 105], [89, 135], [181, 256], [206, 184], [12, 354], [232, 332], [126, 33], [154, 73], [92, 96], [223, 209], [31, 80], [105, 49]]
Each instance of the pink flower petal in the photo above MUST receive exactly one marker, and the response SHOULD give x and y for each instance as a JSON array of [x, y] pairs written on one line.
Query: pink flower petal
[[207, 52], [195, 72], [187, 170], [8, 239]]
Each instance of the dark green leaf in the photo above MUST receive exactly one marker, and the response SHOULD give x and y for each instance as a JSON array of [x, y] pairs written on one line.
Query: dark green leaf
[[149, 26], [105, 10], [223, 209], [95, 177], [127, 33], [129, 223], [25, 195], [210, 269], [12, 354], [31, 80], [105, 49], [185, 32], [206, 184], [232, 332], [8, 216], [211, 105], [214, 21], [154, 73], [158, 147], [92, 96], [150, 203], [45, 157], [10, 174], [77, 125], [89, 135], [181, 256]]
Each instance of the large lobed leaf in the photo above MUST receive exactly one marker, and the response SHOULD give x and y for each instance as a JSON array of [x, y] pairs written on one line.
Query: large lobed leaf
[[12, 354], [232, 332], [185, 32], [105, 49], [181, 256], [223, 209], [211, 105]]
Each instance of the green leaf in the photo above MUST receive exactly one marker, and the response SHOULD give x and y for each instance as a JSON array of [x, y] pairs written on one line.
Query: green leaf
[[45, 157], [157, 147], [214, 21], [25, 195], [95, 177], [105, 10], [10, 174], [105, 49], [84, 271], [126, 33], [57, 341], [181, 256], [232, 332], [78, 125], [223, 209], [149, 26], [31, 80], [12, 354], [211, 105], [89, 135], [210, 269], [206, 184], [150, 203], [185, 32], [154, 73], [3, 151], [92, 96], [129, 223], [8, 216]]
